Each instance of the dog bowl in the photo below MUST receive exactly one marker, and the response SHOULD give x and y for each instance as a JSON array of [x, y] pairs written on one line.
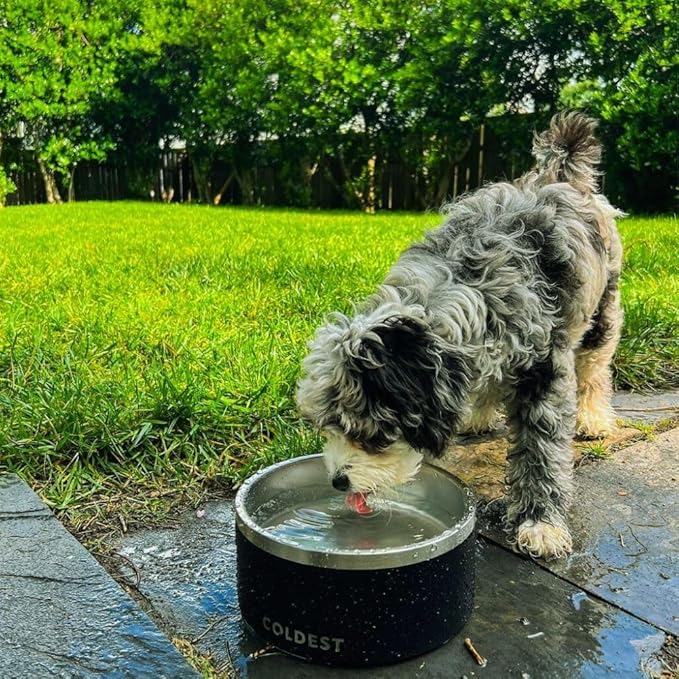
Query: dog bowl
[[325, 584]]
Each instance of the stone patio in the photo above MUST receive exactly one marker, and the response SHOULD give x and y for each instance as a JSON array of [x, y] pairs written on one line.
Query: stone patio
[[61, 614], [607, 610]]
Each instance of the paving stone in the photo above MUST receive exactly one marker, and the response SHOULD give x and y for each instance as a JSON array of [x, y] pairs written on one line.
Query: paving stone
[[480, 460], [648, 408], [625, 526], [188, 576], [61, 614]]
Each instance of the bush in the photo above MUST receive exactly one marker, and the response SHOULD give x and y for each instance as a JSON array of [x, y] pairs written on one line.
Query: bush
[[7, 186]]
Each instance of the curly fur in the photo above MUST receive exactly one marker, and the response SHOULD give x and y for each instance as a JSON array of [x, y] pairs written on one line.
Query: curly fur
[[512, 301], [569, 152]]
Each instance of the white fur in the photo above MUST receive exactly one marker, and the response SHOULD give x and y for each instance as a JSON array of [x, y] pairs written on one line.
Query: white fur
[[370, 473], [543, 539]]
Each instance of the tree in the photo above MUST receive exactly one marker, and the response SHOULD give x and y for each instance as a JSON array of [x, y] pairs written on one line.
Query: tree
[[633, 88], [57, 64], [143, 109], [218, 80]]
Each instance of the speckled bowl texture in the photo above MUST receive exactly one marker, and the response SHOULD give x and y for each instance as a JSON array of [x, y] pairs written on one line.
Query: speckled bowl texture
[[320, 610]]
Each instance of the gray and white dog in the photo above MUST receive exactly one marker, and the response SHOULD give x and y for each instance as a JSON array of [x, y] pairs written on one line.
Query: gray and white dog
[[513, 302]]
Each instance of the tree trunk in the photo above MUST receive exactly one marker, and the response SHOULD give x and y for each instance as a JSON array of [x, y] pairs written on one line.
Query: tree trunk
[[200, 175], [71, 185], [51, 189], [310, 168], [442, 190], [448, 171], [370, 198], [341, 183], [218, 198], [247, 186]]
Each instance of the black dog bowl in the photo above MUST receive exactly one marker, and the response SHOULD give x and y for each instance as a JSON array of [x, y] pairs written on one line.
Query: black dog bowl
[[368, 596]]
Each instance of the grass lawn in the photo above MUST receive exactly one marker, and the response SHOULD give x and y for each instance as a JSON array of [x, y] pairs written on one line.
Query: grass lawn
[[148, 350]]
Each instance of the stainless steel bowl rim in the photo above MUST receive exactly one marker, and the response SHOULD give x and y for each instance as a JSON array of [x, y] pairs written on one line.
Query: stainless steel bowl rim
[[372, 559]]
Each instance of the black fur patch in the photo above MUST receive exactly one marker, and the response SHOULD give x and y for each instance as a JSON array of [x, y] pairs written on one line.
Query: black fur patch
[[420, 384], [553, 259], [533, 385], [600, 331]]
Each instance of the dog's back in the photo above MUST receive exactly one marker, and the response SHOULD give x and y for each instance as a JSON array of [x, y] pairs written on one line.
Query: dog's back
[[541, 251]]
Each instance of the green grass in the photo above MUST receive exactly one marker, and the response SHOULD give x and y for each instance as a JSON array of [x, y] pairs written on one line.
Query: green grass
[[147, 350], [648, 354]]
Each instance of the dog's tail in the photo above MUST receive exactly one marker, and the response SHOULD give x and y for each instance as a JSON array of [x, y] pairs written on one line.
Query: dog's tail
[[569, 152]]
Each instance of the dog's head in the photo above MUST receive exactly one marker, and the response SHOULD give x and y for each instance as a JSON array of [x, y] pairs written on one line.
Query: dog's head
[[384, 390]]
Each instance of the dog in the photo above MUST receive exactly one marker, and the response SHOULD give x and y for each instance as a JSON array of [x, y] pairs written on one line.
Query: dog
[[512, 303]]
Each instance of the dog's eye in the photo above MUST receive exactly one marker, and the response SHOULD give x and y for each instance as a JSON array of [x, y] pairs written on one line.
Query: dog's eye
[[375, 444]]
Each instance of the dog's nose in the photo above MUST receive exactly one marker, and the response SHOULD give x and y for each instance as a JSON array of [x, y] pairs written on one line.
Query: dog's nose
[[340, 482]]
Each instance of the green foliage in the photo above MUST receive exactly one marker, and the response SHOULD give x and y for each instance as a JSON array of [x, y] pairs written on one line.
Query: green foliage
[[61, 154], [635, 96], [7, 186], [57, 65], [336, 85]]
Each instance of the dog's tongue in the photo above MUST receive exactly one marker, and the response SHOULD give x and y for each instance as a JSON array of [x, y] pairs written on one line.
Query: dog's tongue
[[358, 503]]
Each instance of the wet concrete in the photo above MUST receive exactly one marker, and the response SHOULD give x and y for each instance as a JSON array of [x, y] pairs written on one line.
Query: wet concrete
[[188, 576], [604, 611], [625, 527], [61, 614]]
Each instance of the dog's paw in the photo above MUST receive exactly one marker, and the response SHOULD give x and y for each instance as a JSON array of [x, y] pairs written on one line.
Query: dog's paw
[[595, 425], [594, 428], [544, 540]]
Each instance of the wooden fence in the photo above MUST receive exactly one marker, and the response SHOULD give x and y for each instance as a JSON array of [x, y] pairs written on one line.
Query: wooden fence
[[398, 186]]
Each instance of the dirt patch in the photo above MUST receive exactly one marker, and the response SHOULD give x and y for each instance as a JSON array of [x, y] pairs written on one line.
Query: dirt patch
[[481, 462], [668, 657]]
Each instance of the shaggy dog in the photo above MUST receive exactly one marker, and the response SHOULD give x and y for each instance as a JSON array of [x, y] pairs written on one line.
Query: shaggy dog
[[513, 302]]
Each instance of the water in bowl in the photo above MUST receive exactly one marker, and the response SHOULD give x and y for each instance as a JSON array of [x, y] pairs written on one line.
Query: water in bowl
[[324, 522]]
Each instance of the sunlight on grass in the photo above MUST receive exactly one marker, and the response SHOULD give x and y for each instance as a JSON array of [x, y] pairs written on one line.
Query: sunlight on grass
[[648, 355]]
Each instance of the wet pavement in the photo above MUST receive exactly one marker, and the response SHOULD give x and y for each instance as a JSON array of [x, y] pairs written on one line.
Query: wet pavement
[[604, 612], [526, 621], [625, 527], [480, 460], [61, 614]]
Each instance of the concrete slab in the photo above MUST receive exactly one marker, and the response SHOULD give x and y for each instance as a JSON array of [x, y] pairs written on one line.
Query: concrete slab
[[188, 576], [625, 526], [480, 460], [61, 614], [648, 408]]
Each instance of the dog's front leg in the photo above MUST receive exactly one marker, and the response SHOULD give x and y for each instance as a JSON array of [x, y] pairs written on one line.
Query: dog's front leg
[[540, 462]]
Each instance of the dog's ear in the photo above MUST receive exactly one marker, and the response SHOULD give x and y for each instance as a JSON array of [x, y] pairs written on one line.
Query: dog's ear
[[407, 370]]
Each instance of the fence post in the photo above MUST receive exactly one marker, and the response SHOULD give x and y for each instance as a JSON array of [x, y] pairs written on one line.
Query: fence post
[[482, 134]]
